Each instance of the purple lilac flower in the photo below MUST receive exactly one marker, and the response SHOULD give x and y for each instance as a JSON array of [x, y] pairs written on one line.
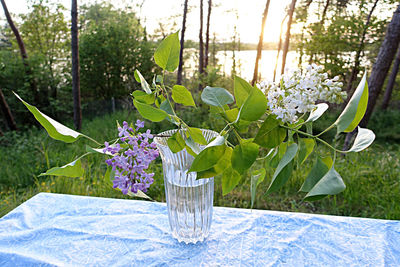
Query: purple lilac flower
[[147, 135], [113, 149], [139, 124], [124, 131], [130, 162], [107, 145]]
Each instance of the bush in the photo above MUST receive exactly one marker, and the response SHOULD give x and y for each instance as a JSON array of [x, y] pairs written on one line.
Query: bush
[[386, 125], [112, 45]]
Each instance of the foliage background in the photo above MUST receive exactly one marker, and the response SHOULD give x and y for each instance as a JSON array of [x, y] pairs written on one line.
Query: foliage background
[[118, 38]]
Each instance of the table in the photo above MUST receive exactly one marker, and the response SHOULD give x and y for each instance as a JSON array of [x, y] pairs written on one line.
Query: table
[[64, 230]]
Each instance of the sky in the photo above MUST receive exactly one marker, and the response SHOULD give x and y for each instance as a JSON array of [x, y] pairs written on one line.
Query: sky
[[246, 15]]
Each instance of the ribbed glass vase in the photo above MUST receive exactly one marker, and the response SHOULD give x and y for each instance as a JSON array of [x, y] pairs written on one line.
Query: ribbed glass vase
[[189, 201]]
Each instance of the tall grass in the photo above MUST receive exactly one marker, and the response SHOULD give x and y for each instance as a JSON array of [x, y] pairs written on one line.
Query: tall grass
[[372, 177], [373, 190]]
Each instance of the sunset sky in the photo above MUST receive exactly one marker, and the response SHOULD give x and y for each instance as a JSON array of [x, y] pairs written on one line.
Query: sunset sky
[[246, 15]]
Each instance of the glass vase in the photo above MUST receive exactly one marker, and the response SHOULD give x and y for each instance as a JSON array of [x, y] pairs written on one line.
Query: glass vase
[[189, 201]]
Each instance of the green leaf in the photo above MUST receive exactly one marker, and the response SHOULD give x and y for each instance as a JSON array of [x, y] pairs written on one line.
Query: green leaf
[[230, 179], [309, 128], [219, 167], [150, 112], [138, 194], [364, 139], [320, 168], [143, 82], [73, 169], [197, 136], [306, 146], [181, 95], [159, 79], [167, 53], [218, 110], [55, 129], [296, 125], [282, 149], [159, 100], [191, 147], [218, 141], [330, 184], [190, 151], [254, 106], [176, 142], [207, 158], [109, 176], [256, 178], [277, 156], [216, 96], [142, 97], [242, 126], [270, 133], [137, 78], [270, 155], [242, 90], [243, 156], [317, 112], [232, 114], [284, 169], [154, 83], [224, 161], [97, 150], [355, 109], [215, 110], [166, 106]]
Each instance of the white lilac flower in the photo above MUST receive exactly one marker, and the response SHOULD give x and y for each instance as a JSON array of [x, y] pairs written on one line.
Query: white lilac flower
[[297, 93]]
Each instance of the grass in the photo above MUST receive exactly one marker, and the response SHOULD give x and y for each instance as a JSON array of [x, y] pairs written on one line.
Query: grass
[[372, 177], [373, 189]]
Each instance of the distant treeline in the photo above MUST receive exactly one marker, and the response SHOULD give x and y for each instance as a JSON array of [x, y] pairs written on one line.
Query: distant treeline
[[222, 46]]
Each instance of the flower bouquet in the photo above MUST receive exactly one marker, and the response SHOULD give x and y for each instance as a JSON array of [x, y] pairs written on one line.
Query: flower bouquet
[[280, 117]]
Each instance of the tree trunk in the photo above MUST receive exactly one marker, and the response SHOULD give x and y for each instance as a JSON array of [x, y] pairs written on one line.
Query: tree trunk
[[302, 41], [7, 112], [392, 80], [214, 51], [201, 44], [260, 43], [75, 66], [321, 23], [287, 39], [355, 70], [53, 85], [180, 67], [381, 67], [324, 12], [279, 46], [23, 53], [206, 52]]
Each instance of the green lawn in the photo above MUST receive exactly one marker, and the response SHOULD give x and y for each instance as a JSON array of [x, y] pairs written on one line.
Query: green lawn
[[372, 177]]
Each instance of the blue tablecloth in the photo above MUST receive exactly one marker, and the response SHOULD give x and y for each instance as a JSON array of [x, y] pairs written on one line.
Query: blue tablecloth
[[54, 229]]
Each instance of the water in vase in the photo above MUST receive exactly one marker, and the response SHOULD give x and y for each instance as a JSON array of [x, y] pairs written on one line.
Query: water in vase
[[190, 204], [189, 201]]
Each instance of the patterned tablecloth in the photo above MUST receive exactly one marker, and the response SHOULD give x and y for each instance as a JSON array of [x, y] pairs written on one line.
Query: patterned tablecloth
[[64, 230]]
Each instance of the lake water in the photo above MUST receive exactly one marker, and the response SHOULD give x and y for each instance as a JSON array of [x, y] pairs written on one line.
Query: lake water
[[244, 61]]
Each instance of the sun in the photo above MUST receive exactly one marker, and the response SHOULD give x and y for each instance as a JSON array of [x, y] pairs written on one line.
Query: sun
[[250, 17]]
